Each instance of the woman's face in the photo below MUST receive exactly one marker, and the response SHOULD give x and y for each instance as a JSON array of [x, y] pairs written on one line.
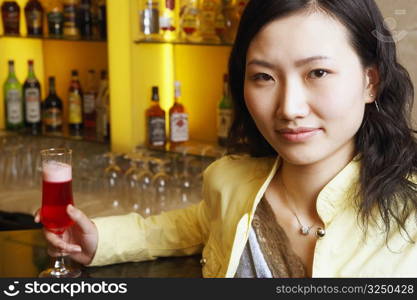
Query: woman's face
[[305, 87]]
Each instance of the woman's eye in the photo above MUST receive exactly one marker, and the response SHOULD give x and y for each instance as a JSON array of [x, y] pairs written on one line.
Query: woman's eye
[[319, 73], [262, 77]]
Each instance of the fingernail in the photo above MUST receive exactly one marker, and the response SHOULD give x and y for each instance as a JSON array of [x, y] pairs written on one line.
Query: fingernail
[[76, 249], [70, 207]]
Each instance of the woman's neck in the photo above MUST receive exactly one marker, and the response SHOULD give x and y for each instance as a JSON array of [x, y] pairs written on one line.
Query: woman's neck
[[303, 183]]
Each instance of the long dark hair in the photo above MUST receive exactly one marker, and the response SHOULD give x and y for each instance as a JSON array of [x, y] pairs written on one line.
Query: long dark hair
[[385, 142]]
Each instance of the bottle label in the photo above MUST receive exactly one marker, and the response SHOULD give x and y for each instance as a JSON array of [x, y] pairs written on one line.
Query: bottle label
[[53, 117], [224, 122], [55, 17], [34, 19], [70, 20], [14, 107], [189, 23], [12, 20], [74, 107], [89, 103], [156, 129], [179, 127], [33, 105]]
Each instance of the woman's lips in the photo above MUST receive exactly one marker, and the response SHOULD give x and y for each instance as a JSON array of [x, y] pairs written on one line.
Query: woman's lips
[[299, 134]]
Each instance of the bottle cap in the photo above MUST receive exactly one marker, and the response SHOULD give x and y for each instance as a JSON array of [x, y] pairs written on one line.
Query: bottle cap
[[177, 85], [155, 96], [30, 62]]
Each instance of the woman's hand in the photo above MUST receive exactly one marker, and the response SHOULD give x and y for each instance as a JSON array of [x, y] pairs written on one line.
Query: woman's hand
[[78, 242]]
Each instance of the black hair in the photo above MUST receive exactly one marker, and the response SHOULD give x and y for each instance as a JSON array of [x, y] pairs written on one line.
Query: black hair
[[385, 141]]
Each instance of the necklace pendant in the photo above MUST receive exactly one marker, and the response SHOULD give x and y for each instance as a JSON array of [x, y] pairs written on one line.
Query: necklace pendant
[[304, 230]]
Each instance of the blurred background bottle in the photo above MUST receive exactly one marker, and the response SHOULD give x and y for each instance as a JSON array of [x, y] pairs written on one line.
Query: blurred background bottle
[[89, 99], [86, 19], [178, 120], [225, 113], [10, 13], [32, 101], [75, 106], [231, 20], [155, 123], [149, 20], [52, 111], [207, 15], [168, 20], [13, 100], [55, 18], [34, 18], [102, 19], [71, 28], [189, 21], [103, 108]]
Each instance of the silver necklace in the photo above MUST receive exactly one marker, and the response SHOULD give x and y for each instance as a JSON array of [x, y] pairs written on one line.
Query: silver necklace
[[304, 230]]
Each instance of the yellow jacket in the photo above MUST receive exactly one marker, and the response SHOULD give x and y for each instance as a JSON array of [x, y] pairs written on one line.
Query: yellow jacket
[[219, 227]]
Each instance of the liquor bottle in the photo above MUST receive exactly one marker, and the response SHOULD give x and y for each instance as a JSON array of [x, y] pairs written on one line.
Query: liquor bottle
[[167, 21], [52, 111], [149, 20], [225, 114], [102, 19], [189, 21], [90, 94], [207, 16], [178, 120], [75, 105], [55, 18], [103, 108], [71, 30], [10, 12], [232, 19], [34, 18], [32, 100], [86, 19], [220, 22], [13, 100], [155, 121]]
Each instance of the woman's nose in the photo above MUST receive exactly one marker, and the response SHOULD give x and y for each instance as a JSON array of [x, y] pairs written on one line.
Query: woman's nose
[[292, 103]]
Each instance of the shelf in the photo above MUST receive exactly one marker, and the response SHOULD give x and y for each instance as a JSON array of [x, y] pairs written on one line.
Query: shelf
[[51, 38], [192, 147], [182, 43], [65, 135]]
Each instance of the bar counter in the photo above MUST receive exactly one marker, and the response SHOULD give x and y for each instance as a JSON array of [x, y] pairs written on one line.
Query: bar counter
[[23, 254]]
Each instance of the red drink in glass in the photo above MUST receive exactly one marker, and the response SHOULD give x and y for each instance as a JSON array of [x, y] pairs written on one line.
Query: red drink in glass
[[56, 195]]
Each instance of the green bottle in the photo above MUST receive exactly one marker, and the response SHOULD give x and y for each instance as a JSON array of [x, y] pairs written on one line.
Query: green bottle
[[224, 113], [13, 100]]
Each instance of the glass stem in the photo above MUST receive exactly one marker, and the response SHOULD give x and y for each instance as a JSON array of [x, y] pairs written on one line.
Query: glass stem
[[59, 265]]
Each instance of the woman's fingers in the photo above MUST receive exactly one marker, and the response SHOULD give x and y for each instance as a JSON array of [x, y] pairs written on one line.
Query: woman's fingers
[[80, 218], [37, 215], [58, 243]]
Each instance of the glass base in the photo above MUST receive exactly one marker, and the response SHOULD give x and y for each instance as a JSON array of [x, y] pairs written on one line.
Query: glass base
[[53, 273], [60, 269]]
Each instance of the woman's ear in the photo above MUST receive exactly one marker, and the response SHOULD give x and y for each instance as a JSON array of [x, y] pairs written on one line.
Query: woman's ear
[[372, 83]]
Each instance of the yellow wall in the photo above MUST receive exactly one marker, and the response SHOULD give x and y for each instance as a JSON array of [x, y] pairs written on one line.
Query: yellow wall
[[200, 70]]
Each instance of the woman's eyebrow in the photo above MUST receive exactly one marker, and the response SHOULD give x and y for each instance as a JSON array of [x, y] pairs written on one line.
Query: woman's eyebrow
[[298, 63]]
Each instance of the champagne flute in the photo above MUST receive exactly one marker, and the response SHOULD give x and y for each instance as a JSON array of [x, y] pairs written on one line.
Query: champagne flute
[[56, 196]]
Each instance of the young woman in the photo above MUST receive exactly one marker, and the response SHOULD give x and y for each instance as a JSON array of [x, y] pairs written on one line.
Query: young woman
[[327, 187]]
